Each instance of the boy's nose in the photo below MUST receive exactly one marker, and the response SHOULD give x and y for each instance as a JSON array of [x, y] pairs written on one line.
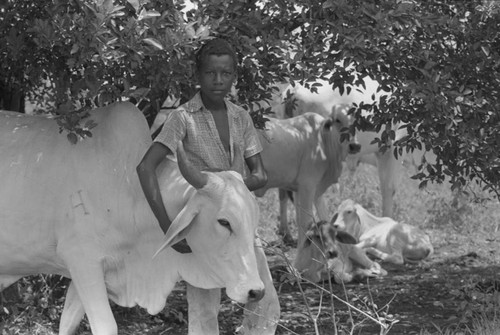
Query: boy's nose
[[218, 78]]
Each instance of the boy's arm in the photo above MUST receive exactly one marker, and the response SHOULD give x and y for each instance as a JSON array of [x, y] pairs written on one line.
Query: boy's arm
[[146, 171], [257, 177]]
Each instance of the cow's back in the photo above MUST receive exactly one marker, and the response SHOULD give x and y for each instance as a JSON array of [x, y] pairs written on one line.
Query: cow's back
[[55, 193], [286, 142]]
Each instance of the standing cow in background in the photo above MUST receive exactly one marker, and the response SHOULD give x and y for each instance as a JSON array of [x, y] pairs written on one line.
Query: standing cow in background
[[299, 99], [79, 211], [304, 154], [382, 237]]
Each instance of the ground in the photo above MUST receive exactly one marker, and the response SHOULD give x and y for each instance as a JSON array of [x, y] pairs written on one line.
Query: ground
[[446, 294]]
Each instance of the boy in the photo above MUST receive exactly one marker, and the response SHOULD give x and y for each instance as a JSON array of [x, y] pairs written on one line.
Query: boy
[[211, 128]]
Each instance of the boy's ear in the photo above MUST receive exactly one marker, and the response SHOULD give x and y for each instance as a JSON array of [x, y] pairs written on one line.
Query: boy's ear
[[196, 74]]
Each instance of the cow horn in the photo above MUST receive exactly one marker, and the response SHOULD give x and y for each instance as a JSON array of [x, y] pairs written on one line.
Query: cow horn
[[196, 178]]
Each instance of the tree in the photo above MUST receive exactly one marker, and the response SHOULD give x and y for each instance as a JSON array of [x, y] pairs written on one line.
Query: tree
[[439, 60]]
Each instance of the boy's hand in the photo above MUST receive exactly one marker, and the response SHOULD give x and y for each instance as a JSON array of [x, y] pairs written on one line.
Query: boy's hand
[[182, 247]]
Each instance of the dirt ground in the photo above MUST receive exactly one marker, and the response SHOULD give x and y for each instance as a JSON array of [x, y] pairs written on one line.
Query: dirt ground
[[459, 281]]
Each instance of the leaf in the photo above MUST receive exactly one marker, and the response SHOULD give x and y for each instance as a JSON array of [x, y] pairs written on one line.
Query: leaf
[[75, 48], [190, 30], [139, 93], [106, 6], [72, 138], [134, 3], [147, 14], [486, 50], [154, 43], [203, 32]]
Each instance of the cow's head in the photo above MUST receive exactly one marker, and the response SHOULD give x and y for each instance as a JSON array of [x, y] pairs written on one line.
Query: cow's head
[[336, 131], [347, 218], [320, 246], [218, 222]]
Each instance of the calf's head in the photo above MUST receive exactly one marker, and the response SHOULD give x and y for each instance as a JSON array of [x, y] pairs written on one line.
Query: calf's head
[[321, 245], [346, 219], [219, 222]]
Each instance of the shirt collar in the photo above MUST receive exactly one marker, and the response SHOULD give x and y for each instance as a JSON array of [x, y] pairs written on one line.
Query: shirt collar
[[196, 104]]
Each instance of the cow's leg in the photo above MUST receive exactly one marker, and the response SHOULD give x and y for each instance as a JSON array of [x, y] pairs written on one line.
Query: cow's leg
[[88, 278], [72, 313], [284, 228], [369, 245], [203, 308], [262, 317], [340, 269], [388, 172], [321, 208], [304, 213], [362, 262], [303, 207], [395, 258]]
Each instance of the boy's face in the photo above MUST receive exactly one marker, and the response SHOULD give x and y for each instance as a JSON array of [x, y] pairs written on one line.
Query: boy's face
[[216, 76]]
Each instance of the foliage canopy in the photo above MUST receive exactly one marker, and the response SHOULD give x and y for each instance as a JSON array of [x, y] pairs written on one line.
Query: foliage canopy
[[439, 59]]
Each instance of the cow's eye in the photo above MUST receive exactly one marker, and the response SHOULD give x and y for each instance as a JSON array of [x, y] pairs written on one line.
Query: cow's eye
[[224, 223]]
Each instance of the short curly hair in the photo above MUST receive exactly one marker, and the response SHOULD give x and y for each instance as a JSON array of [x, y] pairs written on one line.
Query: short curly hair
[[216, 46]]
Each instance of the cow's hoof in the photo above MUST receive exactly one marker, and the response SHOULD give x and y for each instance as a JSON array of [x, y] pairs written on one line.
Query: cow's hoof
[[377, 271]]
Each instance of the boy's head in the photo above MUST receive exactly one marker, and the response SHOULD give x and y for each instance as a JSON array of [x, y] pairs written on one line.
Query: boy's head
[[216, 68], [218, 47]]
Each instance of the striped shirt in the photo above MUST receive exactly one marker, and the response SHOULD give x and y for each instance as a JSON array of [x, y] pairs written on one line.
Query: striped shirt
[[194, 125]]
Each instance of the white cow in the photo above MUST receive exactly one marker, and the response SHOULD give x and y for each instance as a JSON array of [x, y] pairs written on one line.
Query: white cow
[[323, 257], [79, 211], [382, 237], [299, 99], [304, 154]]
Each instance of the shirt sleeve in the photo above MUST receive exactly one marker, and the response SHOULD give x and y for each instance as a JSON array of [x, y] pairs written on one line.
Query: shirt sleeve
[[173, 131], [252, 142]]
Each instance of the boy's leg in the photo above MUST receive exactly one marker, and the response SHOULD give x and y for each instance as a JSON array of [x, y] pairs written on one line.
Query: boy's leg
[[203, 308], [262, 317]]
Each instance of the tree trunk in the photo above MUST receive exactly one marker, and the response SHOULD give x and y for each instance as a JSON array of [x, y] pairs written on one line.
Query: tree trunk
[[11, 99]]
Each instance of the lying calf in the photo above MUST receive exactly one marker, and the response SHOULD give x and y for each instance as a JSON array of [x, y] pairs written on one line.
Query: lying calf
[[324, 257], [382, 237]]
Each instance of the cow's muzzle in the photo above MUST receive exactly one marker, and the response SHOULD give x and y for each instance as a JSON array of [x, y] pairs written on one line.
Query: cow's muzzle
[[354, 148], [256, 295]]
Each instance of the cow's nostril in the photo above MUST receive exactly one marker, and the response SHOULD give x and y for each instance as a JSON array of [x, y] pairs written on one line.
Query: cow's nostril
[[354, 148], [331, 254], [256, 295]]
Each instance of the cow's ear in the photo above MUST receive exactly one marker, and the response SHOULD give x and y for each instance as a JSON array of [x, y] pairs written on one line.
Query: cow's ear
[[345, 237], [179, 227]]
